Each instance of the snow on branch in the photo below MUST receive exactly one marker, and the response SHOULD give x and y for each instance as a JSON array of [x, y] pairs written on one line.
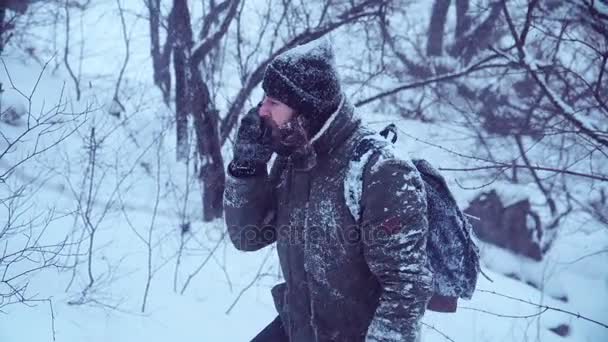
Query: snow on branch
[[531, 65], [483, 64]]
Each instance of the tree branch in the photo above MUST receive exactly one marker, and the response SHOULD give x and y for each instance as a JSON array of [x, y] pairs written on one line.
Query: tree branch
[[203, 48], [351, 15], [546, 307], [160, 60], [531, 66], [522, 152], [126, 40], [524, 32], [66, 51], [444, 77], [211, 17], [501, 165]]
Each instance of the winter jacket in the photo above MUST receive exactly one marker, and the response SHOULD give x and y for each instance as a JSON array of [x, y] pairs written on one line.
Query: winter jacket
[[346, 278]]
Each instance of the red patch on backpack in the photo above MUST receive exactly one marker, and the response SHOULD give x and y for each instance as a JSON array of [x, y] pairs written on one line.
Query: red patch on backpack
[[392, 225]]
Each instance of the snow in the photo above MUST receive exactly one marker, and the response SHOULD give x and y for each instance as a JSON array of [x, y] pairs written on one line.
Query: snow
[[329, 121], [556, 274], [380, 331], [328, 217], [12, 101], [317, 48], [140, 145], [601, 6], [230, 194], [581, 122], [353, 184], [515, 193], [201, 312]]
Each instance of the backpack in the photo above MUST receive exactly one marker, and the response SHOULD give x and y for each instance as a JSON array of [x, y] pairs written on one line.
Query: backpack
[[453, 255]]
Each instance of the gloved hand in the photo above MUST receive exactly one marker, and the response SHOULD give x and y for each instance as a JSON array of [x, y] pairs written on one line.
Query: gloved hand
[[253, 147]]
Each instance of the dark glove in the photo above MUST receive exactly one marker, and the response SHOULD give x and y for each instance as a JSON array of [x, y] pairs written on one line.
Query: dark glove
[[253, 146]]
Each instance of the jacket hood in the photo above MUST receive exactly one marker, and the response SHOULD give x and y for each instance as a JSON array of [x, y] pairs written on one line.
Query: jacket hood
[[338, 127]]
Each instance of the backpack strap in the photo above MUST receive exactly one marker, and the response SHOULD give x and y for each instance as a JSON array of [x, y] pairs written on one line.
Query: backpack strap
[[391, 128], [367, 149]]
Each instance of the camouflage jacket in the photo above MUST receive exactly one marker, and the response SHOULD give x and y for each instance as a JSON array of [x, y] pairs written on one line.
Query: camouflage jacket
[[346, 278]]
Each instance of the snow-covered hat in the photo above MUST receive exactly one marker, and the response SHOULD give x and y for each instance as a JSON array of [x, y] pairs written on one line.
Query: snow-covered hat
[[305, 79]]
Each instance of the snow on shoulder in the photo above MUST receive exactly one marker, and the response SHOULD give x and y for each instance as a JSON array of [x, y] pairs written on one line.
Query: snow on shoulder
[[353, 181], [353, 184]]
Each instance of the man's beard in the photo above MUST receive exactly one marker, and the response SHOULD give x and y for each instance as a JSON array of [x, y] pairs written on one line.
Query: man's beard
[[278, 145], [278, 135]]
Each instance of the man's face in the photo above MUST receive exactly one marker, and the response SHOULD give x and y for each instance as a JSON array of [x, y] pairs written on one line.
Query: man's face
[[288, 132], [275, 113]]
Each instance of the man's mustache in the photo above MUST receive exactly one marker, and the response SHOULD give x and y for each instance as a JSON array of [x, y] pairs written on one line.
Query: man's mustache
[[292, 133], [269, 127]]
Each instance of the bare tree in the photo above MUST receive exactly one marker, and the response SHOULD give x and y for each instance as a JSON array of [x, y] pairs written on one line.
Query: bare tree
[[27, 250], [286, 26], [529, 89]]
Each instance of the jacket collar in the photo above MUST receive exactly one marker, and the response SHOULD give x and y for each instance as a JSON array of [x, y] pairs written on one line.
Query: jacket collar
[[338, 127]]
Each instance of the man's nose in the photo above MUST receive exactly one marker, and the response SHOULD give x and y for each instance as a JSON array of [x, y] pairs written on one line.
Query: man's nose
[[263, 111]]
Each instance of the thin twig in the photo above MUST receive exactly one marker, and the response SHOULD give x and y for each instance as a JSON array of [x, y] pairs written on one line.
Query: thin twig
[[438, 331], [151, 228], [200, 267], [445, 77], [541, 187], [503, 315], [50, 301], [253, 281], [66, 51], [127, 42], [501, 165], [577, 315]]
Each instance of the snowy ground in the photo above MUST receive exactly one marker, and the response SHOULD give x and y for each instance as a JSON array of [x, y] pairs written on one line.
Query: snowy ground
[[205, 311], [229, 298]]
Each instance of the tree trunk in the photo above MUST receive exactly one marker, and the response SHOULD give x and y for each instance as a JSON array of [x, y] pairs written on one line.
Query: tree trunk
[[160, 60], [182, 44], [2, 16], [206, 121], [192, 99], [470, 44], [434, 46], [463, 21]]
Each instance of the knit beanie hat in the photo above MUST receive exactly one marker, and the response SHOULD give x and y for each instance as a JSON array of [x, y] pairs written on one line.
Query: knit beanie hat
[[305, 79]]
